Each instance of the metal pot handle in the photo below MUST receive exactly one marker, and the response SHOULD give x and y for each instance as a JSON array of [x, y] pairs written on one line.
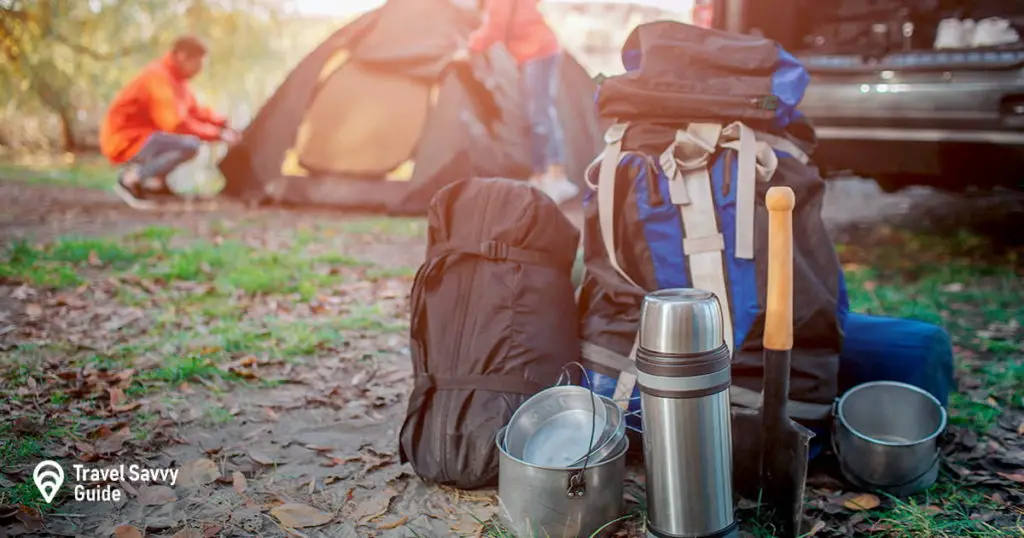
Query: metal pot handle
[[577, 485], [835, 419]]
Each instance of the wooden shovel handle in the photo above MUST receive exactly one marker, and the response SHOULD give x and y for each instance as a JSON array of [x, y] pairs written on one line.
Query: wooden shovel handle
[[778, 323]]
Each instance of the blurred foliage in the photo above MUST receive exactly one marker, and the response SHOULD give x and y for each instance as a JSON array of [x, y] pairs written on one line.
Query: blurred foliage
[[66, 59]]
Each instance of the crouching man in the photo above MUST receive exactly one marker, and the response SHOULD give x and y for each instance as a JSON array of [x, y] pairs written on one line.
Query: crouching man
[[155, 124]]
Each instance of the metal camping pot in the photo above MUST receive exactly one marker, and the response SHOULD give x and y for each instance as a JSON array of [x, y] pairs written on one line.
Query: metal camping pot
[[886, 437], [683, 371], [561, 503]]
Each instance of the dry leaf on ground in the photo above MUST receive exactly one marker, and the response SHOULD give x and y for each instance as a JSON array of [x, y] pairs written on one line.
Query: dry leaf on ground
[[117, 397], [818, 527], [298, 516], [198, 473], [33, 311], [238, 482], [127, 531], [375, 506], [864, 501], [156, 495], [188, 533], [264, 458], [394, 524], [111, 444], [1015, 477]]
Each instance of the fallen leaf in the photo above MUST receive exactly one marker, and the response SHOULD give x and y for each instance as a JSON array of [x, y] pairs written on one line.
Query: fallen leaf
[[33, 311], [127, 531], [128, 488], [111, 444], [263, 457], [374, 507], [394, 524], [94, 259], [198, 473], [127, 407], [818, 527], [117, 396], [156, 495], [933, 510], [188, 533], [864, 501], [298, 516], [238, 482], [1015, 477]]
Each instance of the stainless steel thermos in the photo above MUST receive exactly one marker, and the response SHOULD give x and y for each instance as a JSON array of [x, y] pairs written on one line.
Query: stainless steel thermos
[[684, 376]]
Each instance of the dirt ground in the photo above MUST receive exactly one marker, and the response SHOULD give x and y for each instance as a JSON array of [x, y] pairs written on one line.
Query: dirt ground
[[315, 439]]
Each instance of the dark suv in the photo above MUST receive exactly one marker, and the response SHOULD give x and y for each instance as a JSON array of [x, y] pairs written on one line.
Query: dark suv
[[885, 103]]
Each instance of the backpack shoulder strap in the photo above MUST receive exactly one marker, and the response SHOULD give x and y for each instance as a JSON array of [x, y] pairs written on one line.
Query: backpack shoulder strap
[[703, 242], [784, 145], [606, 194]]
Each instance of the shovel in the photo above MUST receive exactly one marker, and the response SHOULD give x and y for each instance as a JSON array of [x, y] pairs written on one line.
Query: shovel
[[784, 442]]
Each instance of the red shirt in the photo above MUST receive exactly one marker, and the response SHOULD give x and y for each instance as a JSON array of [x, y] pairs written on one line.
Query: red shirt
[[158, 99], [519, 25]]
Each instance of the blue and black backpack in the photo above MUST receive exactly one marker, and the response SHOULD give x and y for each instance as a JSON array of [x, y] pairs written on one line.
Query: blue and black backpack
[[704, 122]]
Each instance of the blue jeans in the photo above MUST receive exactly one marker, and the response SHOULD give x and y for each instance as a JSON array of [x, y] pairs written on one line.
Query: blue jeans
[[540, 88], [163, 152]]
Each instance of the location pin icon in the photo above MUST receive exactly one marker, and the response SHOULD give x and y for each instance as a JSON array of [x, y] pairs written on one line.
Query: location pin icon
[[48, 476]]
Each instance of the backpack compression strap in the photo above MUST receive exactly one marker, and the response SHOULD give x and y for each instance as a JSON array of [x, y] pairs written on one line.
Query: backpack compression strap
[[499, 251], [739, 396]]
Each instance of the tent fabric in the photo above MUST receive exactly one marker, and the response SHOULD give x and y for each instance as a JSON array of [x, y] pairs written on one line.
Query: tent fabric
[[377, 118]]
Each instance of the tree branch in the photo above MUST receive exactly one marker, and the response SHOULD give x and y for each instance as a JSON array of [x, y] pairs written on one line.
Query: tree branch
[[128, 50]]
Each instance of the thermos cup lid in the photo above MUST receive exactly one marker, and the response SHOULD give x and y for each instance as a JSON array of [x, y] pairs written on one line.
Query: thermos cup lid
[[681, 322]]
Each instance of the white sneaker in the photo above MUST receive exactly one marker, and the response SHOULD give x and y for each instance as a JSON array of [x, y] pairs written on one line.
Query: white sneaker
[[993, 32], [954, 34], [559, 188]]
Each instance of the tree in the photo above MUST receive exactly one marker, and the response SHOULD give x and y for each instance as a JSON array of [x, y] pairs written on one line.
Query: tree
[[71, 57]]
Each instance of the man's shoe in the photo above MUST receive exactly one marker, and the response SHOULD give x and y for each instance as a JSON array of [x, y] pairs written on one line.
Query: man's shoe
[[133, 194], [559, 188]]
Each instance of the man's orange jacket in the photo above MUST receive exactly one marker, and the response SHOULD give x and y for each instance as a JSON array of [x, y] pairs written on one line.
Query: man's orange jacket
[[158, 99], [520, 26]]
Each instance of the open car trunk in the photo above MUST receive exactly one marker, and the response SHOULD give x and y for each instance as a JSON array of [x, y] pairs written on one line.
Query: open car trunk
[[855, 35]]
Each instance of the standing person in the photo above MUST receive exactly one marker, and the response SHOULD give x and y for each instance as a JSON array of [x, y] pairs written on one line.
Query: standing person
[[521, 27], [155, 124]]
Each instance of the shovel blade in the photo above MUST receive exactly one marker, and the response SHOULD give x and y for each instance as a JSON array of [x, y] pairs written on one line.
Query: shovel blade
[[784, 470], [747, 449]]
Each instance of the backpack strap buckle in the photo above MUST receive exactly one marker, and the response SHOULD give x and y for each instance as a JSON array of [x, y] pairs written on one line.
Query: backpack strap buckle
[[495, 250]]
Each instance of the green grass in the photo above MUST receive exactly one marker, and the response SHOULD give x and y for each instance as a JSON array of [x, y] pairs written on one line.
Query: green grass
[[87, 172], [206, 303], [25, 449], [961, 283]]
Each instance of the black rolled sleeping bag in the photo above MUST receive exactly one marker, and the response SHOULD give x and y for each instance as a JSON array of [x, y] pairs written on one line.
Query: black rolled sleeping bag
[[493, 322]]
